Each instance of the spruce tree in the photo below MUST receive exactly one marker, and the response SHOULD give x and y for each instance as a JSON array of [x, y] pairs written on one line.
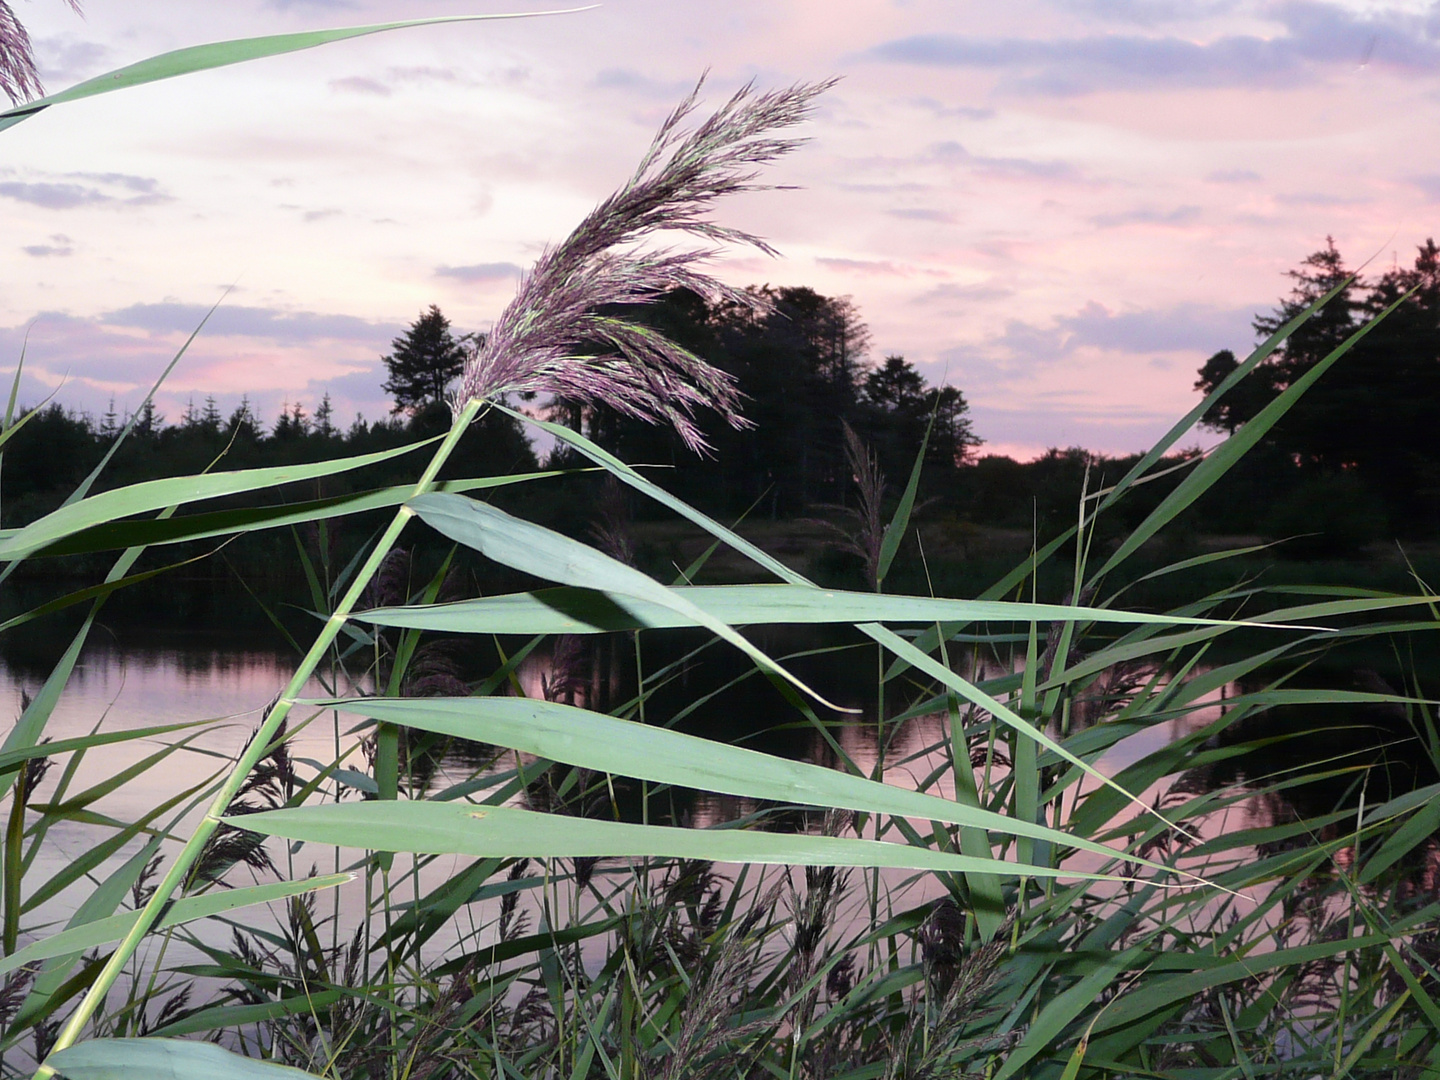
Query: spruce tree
[[423, 363]]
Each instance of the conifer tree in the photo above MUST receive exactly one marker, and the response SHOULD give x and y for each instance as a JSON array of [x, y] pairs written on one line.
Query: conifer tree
[[423, 362], [324, 417]]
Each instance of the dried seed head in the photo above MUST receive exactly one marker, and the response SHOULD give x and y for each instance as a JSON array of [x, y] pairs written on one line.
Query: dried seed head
[[19, 78], [554, 337]]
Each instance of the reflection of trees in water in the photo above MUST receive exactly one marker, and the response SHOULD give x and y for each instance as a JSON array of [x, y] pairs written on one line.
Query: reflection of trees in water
[[1328, 756]]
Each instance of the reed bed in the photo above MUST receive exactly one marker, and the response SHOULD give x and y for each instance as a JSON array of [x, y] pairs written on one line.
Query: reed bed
[[996, 899]]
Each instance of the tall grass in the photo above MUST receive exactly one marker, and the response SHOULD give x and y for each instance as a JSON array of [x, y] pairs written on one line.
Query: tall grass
[[1026, 912]]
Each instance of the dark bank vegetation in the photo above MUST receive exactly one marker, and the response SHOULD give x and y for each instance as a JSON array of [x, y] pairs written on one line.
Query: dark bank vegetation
[[1000, 876], [1353, 464]]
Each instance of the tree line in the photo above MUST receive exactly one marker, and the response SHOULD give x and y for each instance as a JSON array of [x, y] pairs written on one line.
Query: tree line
[[1357, 459]]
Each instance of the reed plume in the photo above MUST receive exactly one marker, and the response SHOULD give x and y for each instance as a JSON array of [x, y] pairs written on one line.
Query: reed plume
[[19, 77], [555, 336]]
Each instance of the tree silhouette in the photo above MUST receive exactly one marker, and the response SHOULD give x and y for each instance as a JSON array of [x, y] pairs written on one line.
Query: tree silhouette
[[423, 362], [902, 404], [1371, 417]]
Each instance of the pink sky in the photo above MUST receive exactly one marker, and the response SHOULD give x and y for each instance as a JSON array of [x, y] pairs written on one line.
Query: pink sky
[[1060, 206]]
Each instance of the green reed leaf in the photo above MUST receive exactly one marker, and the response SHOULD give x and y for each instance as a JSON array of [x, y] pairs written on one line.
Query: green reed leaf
[[162, 1059], [187, 909], [204, 526], [900, 522], [605, 744], [507, 832], [175, 491], [1065, 1008], [224, 53], [592, 611], [1219, 462], [973, 694], [534, 549]]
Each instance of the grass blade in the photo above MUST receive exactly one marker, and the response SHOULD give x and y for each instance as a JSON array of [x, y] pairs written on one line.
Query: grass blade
[[1204, 476], [605, 744], [522, 545], [224, 53], [458, 828], [592, 611], [204, 526], [187, 909], [162, 1059], [175, 491]]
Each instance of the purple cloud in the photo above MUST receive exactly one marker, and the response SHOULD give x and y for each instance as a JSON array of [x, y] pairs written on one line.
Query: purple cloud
[[477, 273], [1181, 215], [53, 196], [1182, 328], [60, 246], [1234, 176], [1004, 168], [922, 213], [1318, 35], [360, 84], [65, 193], [268, 324]]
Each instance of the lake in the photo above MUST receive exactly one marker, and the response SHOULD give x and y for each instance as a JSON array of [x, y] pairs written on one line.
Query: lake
[[156, 679]]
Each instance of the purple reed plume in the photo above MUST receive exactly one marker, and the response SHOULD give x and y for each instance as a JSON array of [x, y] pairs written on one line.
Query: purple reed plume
[[540, 341], [19, 78]]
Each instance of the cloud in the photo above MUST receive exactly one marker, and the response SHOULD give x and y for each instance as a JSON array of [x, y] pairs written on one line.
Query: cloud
[[921, 213], [1430, 185], [1234, 176], [52, 196], [266, 324], [1184, 327], [480, 272], [1181, 215], [1024, 349], [68, 191], [323, 5], [360, 84], [1316, 198], [1147, 12], [1316, 36], [65, 60], [423, 73], [953, 112], [321, 215], [628, 79], [951, 293], [60, 246], [860, 266], [269, 354], [1000, 168]]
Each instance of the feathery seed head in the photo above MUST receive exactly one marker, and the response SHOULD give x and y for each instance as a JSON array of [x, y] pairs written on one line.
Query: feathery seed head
[[19, 78], [544, 340]]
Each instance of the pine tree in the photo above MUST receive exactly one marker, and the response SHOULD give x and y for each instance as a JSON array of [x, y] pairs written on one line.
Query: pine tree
[[244, 423], [324, 424], [148, 421], [110, 422], [210, 417], [423, 363]]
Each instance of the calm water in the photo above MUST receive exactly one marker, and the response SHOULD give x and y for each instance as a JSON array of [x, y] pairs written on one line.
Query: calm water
[[187, 679]]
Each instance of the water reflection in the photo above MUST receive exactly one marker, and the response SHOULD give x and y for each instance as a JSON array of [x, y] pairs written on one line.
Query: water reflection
[[1370, 751]]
